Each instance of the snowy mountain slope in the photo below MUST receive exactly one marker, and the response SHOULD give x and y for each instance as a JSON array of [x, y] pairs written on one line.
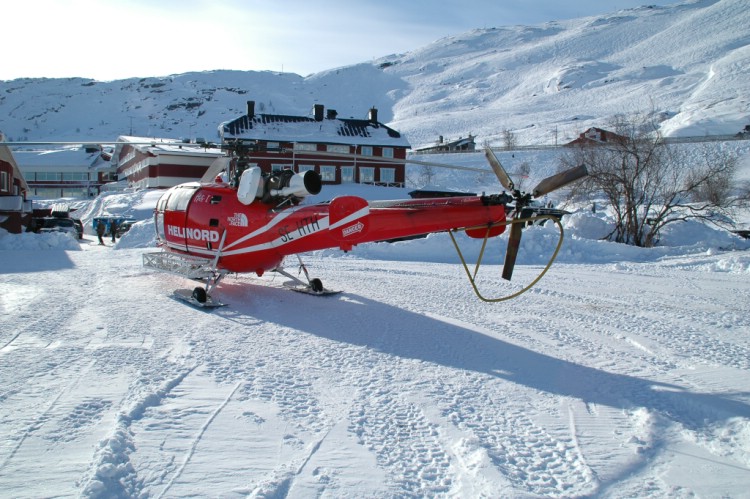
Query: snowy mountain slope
[[547, 83], [687, 61]]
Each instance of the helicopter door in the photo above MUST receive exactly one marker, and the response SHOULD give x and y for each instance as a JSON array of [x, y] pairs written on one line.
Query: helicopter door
[[205, 216]]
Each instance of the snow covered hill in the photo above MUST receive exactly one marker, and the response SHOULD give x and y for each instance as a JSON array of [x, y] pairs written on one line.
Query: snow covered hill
[[687, 62]]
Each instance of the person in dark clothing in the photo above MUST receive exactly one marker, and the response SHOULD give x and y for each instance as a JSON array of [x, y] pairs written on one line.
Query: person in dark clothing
[[113, 229], [100, 228]]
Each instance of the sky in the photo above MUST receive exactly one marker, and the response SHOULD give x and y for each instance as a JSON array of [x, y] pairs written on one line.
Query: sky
[[116, 39]]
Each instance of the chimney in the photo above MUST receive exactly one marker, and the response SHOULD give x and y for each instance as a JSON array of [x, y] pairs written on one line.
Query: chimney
[[331, 114], [250, 109], [373, 115], [318, 112]]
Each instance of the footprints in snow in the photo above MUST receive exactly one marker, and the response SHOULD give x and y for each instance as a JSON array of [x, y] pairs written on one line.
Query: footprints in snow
[[83, 416]]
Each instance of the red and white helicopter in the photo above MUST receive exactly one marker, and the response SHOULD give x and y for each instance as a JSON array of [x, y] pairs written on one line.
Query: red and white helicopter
[[253, 221]]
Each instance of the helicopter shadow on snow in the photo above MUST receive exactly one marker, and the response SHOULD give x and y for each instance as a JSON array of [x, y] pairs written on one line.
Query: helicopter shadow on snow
[[356, 320]]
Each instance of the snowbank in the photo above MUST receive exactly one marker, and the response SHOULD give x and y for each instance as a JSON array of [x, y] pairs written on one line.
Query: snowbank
[[32, 241]]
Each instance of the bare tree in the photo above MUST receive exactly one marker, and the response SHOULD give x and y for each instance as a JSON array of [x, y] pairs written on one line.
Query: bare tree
[[649, 184], [426, 174], [522, 175], [509, 139]]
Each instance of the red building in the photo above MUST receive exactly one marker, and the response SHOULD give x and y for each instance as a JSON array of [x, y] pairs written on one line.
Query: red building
[[15, 210], [346, 150], [160, 163], [596, 136]]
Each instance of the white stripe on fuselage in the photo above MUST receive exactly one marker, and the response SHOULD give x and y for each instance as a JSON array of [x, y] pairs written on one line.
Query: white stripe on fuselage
[[351, 218], [265, 228], [279, 241], [275, 243]]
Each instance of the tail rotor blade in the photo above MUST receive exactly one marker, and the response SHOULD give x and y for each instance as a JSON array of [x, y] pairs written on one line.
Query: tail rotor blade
[[500, 172], [554, 182], [514, 240]]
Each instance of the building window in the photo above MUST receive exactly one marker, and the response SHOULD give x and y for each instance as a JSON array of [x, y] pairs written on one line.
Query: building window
[[366, 174], [337, 148], [388, 175], [4, 184], [347, 174], [277, 167], [366, 150], [388, 152], [74, 193], [75, 176], [304, 168], [328, 173], [47, 176], [303, 146], [272, 146], [48, 193]]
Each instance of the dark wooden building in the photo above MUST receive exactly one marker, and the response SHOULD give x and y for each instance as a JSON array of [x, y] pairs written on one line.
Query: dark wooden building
[[467, 144]]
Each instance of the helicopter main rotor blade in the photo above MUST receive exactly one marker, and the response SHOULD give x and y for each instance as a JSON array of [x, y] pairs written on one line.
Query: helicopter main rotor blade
[[217, 166], [514, 241], [500, 172], [554, 182]]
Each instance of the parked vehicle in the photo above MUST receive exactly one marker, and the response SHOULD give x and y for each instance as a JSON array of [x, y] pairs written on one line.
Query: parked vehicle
[[124, 227], [58, 224]]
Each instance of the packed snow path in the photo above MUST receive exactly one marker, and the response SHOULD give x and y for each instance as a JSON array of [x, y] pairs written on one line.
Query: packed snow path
[[619, 379]]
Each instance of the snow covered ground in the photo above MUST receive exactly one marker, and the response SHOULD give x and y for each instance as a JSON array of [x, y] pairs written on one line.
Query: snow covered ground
[[624, 373]]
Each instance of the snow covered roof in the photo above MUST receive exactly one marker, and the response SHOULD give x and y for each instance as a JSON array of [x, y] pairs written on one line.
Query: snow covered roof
[[467, 143], [68, 158], [329, 130], [161, 145], [158, 146]]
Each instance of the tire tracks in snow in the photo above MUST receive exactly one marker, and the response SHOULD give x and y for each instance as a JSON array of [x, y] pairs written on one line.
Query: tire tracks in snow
[[197, 440]]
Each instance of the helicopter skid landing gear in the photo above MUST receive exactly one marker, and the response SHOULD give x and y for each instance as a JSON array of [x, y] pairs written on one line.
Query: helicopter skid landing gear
[[313, 286], [197, 297], [200, 296], [197, 269]]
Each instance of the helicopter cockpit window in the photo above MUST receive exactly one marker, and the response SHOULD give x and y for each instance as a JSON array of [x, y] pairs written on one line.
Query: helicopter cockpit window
[[162, 203], [179, 199]]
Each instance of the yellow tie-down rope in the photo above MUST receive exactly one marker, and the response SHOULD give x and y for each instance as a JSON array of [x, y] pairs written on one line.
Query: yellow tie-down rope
[[472, 277]]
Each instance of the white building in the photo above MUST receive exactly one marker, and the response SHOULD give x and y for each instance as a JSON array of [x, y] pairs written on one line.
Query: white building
[[160, 163], [70, 172]]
